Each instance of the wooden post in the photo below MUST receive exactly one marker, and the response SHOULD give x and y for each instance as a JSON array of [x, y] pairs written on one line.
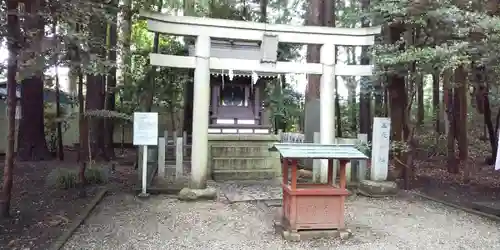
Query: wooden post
[[179, 158], [161, 157], [342, 182], [165, 135], [175, 136], [330, 172], [316, 162], [285, 171], [294, 175]]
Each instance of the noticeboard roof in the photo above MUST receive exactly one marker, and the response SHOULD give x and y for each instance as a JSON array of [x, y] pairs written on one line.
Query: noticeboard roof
[[317, 151]]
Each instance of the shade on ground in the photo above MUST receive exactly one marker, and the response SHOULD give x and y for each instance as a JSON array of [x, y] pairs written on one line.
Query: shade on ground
[[126, 222]]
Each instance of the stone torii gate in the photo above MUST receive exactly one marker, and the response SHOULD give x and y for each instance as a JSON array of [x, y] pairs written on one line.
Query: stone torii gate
[[204, 29]]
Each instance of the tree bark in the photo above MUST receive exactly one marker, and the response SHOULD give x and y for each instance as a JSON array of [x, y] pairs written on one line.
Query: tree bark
[[60, 146], [189, 90], [111, 82], [398, 99], [314, 18], [95, 101], [126, 33], [83, 130], [436, 103], [263, 10], [461, 78], [365, 92], [13, 35], [450, 108], [32, 145], [420, 100], [95, 96]]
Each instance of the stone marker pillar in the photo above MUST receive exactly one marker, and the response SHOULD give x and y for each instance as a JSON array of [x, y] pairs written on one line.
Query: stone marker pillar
[[380, 148], [378, 186]]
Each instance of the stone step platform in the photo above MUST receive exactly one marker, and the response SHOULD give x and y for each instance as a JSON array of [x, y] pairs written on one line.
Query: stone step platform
[[246, 191]]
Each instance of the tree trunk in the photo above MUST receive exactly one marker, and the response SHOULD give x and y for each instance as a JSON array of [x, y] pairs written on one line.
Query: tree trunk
[[60, 146], [351, 84], [461, 78], [95, 96], [32, 145], [450, 109], [111, 82], [263, 11], [126, 33], [13, 35], [314, 18], [189, 10], [492, 135], [397, 96], [95, 101], [352, 104], [83, 131], [436, 103], [420, 99], [188, 108], [365, 97]]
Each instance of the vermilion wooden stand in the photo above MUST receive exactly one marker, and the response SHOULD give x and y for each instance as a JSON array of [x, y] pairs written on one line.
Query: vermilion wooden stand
[[313, 206]]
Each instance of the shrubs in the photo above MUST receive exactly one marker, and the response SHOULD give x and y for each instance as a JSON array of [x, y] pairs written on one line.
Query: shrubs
[[65, 178]]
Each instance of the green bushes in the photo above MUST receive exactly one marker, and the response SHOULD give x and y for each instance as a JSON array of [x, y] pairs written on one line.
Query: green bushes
[[65, 178]]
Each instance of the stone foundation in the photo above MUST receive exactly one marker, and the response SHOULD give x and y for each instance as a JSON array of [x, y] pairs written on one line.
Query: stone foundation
[[305, 235], [243, 157], [377, 188]]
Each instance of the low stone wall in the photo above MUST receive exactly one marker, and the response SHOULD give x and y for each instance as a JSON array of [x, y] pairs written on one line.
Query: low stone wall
[[243, 157]]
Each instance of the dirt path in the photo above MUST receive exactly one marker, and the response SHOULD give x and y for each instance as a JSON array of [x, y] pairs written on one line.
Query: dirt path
[[126, 222]]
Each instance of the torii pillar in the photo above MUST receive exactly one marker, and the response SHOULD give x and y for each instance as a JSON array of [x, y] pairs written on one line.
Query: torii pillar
[[201, 100]]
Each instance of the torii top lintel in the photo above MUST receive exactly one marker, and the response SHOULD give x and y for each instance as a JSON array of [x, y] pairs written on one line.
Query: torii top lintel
[[252, 31]]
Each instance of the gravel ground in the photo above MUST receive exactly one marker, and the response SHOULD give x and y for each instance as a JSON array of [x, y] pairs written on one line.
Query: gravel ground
[[125, 222]]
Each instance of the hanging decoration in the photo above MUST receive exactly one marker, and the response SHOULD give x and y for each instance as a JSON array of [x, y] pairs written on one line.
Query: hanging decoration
[[255, 78], [223, 77]]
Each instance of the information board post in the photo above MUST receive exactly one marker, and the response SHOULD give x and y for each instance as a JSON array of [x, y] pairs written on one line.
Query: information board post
[[145, 134]]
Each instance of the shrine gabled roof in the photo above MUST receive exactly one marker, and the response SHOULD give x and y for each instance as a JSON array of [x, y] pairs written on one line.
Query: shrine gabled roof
[[237, 50], [317, 151]]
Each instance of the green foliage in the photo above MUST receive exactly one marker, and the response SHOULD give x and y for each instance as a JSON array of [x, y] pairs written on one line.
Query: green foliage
[[364, 147], [448, 35], [67, 178], [165, 83], [284, 104]]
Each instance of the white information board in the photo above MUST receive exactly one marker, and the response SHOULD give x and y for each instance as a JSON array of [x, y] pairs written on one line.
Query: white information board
[[145, 128], [380, 148]]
